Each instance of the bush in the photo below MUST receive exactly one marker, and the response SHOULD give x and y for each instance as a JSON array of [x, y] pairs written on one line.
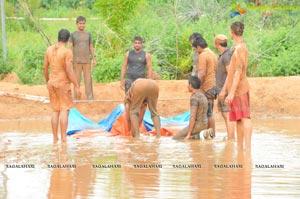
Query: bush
[[5, 67], [164, 24], [108, 69], [48, 4], [279, 55], [116, 12], [31, 70]]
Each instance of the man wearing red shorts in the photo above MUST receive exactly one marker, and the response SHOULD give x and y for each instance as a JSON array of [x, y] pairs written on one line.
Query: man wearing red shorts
[[58, 59], [238, 88]]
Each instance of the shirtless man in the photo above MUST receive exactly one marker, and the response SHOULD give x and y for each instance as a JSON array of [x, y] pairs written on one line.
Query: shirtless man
[[142, 92], [58, 59], [238, 88]]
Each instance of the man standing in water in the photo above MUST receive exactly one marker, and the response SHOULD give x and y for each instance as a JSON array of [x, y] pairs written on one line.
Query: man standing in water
[[142, 92], [207, 65], [82, 45], [220, 43], [134, 65], [59, 59], [238, 88], [198, 105]]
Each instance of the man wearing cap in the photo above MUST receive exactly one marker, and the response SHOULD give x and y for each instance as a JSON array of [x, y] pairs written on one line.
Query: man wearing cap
[[220, 43]]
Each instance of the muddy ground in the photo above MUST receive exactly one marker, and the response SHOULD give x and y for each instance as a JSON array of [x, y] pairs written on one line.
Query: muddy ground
[[270, 97]]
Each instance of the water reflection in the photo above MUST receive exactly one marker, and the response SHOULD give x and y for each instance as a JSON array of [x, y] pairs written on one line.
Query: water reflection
[[76, 182], [61, 180], [84, 174], [172, 180], [234, 183], [143, 182]]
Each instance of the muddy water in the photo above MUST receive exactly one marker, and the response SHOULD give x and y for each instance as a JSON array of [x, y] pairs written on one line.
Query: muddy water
[[275, 142]]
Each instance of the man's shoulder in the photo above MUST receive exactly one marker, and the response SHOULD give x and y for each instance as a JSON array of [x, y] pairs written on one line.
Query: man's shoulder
[[67, 50], [76, 32], [240, 48], [226, 55], [207, 53], [49, 48], [199, 94], [227, 52], [139, 53]]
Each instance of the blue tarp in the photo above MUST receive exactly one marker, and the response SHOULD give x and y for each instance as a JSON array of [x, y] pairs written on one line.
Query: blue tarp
[[77, 122], [108, 122]]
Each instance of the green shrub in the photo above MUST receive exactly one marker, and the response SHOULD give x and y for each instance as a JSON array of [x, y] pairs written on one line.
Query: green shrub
[[5, 67], [116, 12], [278, 55], [31, 70], [108, 69], [165, 25], [48, 4]]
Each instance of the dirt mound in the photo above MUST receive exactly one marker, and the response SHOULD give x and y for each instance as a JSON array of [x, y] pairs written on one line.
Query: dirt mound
[[270, 97], [12, 78]]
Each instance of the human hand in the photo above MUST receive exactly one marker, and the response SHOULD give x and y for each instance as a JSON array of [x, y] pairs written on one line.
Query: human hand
[[94, 62], [229, 99], [122, 84], [77, 90], [221, 96], [187, 137]]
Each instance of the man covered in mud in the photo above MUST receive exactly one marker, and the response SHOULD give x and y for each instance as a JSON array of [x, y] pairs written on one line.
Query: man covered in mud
[[58, 59], [142, 93], [207, 65], [198, 118], [238, 88]]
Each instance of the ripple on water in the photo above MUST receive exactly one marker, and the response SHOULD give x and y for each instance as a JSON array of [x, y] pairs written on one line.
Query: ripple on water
[[272, 144]]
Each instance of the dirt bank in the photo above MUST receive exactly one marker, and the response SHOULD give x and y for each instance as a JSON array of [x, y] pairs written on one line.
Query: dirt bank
[[270, 97]]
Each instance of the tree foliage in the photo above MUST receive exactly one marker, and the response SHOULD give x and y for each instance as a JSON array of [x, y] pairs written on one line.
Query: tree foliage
[[5, 67], [50, 4], [270, 34], [116, 12]]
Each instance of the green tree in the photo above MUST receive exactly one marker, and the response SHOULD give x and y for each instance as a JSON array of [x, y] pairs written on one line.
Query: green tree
[[116, 12]]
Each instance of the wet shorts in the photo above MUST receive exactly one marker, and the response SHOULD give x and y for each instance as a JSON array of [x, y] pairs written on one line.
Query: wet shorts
[[60, 97], [210, 108], [239, 107]]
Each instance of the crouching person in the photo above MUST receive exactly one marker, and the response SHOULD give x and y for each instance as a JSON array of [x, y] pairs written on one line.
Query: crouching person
[[198, 118], [142, 93]]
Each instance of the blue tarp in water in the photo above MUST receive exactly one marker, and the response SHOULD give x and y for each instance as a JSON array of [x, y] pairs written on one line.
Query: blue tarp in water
[[77, 122]]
